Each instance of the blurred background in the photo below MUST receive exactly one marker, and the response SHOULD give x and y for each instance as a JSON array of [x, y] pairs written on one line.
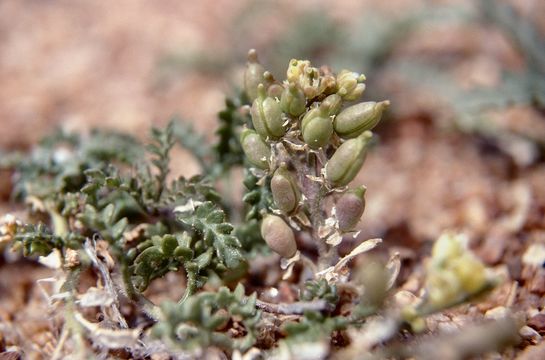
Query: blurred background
[[461, 148], [466, 80]]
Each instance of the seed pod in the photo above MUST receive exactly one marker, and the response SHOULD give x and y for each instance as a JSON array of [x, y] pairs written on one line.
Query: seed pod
[[284, 190], [358, 118], [275, 91], [349, 85], [267, 116], [346, 162], [317, 127], [293, 100], [278, 235], [350, 207], [334, 103], [257, 151], [253, 76]]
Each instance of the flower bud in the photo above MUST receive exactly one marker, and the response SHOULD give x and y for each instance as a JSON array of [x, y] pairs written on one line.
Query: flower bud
[[350, 207], [278, 235], [267, 116], [253, 76], [296, 70], [317, 127], [350, 85], [284, 190], [358, 118], [347, 161], [256, 150], [334, 103], [308, 78], [293, 100]]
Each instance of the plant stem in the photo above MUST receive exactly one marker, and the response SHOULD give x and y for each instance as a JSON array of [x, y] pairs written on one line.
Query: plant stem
[[71, 325], [296, 308], [148, 306], [190, 287], [311, 190], [315, 193]]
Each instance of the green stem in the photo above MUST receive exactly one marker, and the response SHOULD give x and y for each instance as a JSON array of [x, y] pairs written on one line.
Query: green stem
[[147, 305], [315, 193], [190, 287], [72, 325], [127, 281], [59, 223]]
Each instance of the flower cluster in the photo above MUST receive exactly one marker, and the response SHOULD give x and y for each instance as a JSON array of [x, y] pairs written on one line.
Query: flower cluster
[[453, 271], [311, 141], [454, 275]]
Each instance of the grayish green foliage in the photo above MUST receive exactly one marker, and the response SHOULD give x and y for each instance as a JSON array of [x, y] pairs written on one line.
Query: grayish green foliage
[[197, 323]]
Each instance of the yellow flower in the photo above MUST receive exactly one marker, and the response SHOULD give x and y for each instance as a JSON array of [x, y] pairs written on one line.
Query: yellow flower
[[470, 272], [453, 272], [449, 246]]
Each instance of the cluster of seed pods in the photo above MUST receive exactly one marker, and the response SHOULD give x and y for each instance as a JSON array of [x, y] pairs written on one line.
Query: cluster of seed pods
[[314, 109]]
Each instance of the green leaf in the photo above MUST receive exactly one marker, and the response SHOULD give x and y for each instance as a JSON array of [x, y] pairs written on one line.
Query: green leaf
[[192, 324], [208, 221], [228, 150]]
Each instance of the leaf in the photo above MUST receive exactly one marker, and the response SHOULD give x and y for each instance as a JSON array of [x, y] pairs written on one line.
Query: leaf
[[208, 221], [163, 143], [192, 325], [227, 149]]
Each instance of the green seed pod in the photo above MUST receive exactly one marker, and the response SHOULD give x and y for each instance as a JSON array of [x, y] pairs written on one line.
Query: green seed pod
[[284, 190], [275, 91], [293, 100], [257, 151], [347, 161], [358, 118], [317, 127], [278, 235], [267, 116], [334, 102], [253, 76], [350, 207]]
